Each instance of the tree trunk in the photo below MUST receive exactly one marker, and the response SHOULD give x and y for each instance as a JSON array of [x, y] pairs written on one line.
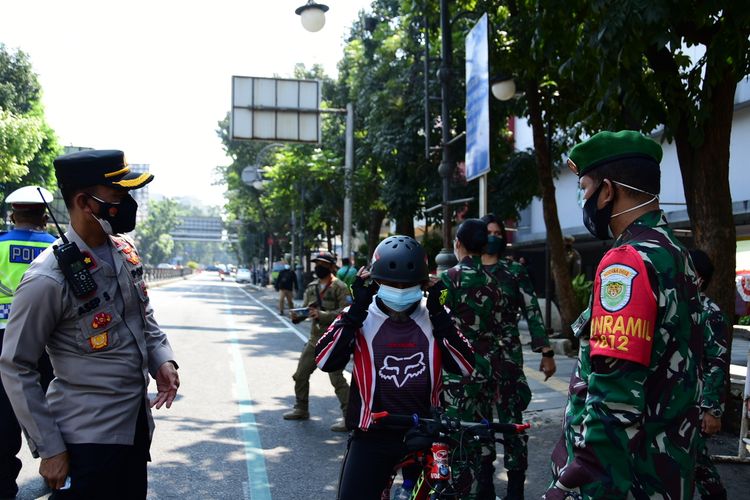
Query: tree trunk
[[705, 177], [405, 225], [373, 230], [329, 238], [563, 286]]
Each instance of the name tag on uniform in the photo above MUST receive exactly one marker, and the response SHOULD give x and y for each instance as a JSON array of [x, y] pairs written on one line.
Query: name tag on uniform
[[21, 254]]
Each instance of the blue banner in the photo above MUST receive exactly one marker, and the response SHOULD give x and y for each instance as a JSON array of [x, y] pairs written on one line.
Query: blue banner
[[477, 101]]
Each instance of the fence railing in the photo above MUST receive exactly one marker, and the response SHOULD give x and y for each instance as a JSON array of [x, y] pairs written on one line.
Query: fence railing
[[153, 274]]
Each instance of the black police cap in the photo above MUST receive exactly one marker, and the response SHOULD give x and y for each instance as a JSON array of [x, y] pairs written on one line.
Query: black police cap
[[98, 167]]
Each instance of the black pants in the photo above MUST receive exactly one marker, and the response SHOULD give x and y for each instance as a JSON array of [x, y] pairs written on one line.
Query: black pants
[[10, 431], [109, 471], [369, 462]]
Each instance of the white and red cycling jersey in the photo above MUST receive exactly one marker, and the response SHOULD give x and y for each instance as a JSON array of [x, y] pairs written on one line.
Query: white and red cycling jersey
[[397, 362]]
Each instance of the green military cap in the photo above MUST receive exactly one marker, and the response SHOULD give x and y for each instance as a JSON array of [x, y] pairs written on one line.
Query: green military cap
[[606, 147]]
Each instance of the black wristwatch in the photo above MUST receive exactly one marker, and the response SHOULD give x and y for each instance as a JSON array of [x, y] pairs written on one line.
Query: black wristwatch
[[548, 354]]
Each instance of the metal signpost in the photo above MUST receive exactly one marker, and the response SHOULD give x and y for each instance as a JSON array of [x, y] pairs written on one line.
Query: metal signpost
[[288, 110], [478, 109]]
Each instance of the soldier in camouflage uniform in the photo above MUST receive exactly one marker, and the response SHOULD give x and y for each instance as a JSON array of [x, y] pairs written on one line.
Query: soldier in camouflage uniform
[[715, 336], [514, 394], [476, 305], [632, 421], [325, 298]]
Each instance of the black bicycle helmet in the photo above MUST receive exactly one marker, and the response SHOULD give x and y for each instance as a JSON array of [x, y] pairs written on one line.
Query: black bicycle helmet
[[399, 259]]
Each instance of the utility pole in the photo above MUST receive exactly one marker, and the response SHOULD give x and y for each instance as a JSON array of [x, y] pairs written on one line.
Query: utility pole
[[348, 169]]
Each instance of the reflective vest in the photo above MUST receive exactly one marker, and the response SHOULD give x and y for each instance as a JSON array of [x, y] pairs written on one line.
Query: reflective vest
[[17, 249]]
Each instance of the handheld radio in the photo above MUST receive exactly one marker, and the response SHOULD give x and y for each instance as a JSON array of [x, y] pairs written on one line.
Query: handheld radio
[[71, 261]]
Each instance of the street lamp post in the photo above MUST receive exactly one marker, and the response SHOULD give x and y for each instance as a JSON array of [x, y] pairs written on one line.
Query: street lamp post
[[313, 20], [445, 259], [313, 15]]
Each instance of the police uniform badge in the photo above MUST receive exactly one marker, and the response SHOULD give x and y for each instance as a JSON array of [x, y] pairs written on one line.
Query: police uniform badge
[[617, 286], [88, 260], [100, 320], [100, 341]]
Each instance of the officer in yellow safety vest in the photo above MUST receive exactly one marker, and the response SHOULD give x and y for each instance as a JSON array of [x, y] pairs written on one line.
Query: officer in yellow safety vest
[[18, 248]]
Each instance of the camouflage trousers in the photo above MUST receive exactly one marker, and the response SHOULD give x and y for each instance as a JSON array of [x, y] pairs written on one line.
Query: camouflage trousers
[[513, 397], [471, 461], [707, 478]]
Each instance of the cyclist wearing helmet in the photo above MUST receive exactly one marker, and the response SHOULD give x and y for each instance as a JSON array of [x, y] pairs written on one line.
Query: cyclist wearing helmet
[[401, 343]]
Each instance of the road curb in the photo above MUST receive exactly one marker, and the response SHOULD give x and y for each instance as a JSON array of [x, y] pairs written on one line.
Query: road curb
[[155, 284]]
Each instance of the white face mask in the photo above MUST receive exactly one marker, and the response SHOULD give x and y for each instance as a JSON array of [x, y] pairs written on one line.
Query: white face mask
[[655, 198], [399, 299]]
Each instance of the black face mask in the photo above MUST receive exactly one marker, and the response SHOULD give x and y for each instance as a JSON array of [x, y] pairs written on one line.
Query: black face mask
[[595, 219], [322, 272], [116, 218], [495, 245]]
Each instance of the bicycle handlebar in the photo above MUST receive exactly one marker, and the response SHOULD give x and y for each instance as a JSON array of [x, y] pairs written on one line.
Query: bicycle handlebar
[[449, 423]]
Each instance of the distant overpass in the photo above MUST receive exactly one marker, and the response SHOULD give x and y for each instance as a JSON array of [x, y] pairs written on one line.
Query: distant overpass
[[200, 228]]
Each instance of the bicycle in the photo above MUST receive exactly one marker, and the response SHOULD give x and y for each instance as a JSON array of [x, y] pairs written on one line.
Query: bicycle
[[429, 464]]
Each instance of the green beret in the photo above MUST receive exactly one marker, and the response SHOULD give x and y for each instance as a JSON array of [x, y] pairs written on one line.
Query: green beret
[[606, 147]]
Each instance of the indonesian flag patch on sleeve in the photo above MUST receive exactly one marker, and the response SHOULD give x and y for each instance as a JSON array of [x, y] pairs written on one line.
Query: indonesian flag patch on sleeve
[[624, 308]]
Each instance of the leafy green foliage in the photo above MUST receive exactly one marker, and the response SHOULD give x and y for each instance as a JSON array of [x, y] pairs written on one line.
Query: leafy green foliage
[[582, 289], [20, 138], [19, 87], [154, 240], [28, 145], [296, 178]]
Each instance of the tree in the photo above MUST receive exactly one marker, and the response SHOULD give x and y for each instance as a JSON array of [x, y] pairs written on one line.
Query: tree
[[155, 243], [382, 73], [674, 66], [532, 56], [28, 145], [300, 178], [20, 90], [20, 139]]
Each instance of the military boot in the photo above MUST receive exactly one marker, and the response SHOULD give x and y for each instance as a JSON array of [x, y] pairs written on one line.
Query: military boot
[[516, 478], [486, 482], [298, 413], [340, 424]]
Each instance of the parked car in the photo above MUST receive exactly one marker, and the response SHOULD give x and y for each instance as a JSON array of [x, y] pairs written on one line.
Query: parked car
[[164, 265], [243, 275]]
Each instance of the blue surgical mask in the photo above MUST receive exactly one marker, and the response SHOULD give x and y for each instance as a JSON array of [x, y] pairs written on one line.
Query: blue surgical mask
[[399, 299]]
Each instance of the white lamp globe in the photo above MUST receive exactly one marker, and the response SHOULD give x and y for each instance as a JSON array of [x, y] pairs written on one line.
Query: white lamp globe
[[312, 15], [503, 89]]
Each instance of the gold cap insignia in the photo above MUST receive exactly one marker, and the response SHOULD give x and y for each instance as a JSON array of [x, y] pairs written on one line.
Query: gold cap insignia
[[572, 166]]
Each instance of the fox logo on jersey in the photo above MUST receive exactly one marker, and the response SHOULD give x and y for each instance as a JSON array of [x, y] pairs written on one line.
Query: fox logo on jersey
[[402, 369]]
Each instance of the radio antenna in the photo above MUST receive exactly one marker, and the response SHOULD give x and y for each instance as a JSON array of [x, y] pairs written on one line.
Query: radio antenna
[[59, 229]]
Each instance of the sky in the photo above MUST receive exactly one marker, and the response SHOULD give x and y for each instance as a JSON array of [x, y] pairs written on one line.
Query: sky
[[153, 77]]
